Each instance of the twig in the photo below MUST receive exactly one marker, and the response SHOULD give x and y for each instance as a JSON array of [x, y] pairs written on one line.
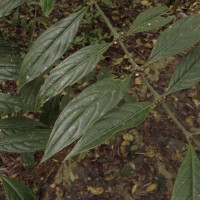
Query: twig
[[137, 68]]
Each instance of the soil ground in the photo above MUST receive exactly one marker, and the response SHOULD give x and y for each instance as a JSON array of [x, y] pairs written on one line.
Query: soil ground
[[137, 164]]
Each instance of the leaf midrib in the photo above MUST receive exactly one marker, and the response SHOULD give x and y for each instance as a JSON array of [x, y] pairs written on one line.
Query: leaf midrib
[[86, 111], [13, 187], [57, 38], [184, 74], [165, 47], [114, 127], [76, 66]]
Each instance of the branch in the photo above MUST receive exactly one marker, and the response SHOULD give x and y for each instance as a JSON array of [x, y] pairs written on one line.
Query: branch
[[137, 68]]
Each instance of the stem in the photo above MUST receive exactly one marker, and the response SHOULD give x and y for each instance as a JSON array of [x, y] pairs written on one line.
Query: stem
[[107, 21], [136, 67]]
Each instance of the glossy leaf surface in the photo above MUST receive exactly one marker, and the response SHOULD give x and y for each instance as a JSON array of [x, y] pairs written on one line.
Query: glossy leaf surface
[[49, 47], [6, 6], [149, 20], [187, 73], [175, 39], [11, 104], [16, 190], [83, 111], [71, 70], [24, 140], [47, 6], [9, 68], [127, 116], [188, 179]]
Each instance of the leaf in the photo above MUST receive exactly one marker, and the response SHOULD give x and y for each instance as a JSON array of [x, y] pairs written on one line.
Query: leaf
[[19, 123], [187, 73], [108, 3], [9, 68], [30, 91], [11, 104], [180, 36], [149, 20], [49, 47], [71, 70], [6, 6], [28, 161], [47, 6], [24, 140], [6, 49], [16, 190], [126, 116], [188, 179], [50, 111], [83, 111]]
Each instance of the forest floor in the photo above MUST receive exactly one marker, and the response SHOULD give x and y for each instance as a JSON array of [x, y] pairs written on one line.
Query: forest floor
[[137, 164]]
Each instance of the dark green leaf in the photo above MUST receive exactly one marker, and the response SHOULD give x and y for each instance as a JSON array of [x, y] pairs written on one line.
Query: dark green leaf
[[175, 39], [19, 123], [6, 49], [24, 140], [32, 26], [9, 68], [187, 73], [108, 3], [149, 20], [49, 47], [16, 190], [71, 70], [30, 91], [188, 179], [127, 116], [6, 6], [47, 6], [83, 111], [11, 104], [28, 160], [50, 111]]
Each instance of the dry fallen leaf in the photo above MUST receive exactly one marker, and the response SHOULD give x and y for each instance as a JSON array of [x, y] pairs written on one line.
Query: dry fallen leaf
[[128, 137], [134, 189], [95, 190], [151, 187]]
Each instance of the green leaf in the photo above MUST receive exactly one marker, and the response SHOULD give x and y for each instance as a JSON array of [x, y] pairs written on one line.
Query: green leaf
[[49, 47], [83, 111], [6, 49], [127, 116], [6, 6], [188, 179], [19, 123], [108, 3], [9, 68], [30, 91], [11, 104], [24, 140], [71, 70], [149, 20], [50, 111], [187, 73], [175, 39], [28, 160], [16, 190], [47, 6]]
